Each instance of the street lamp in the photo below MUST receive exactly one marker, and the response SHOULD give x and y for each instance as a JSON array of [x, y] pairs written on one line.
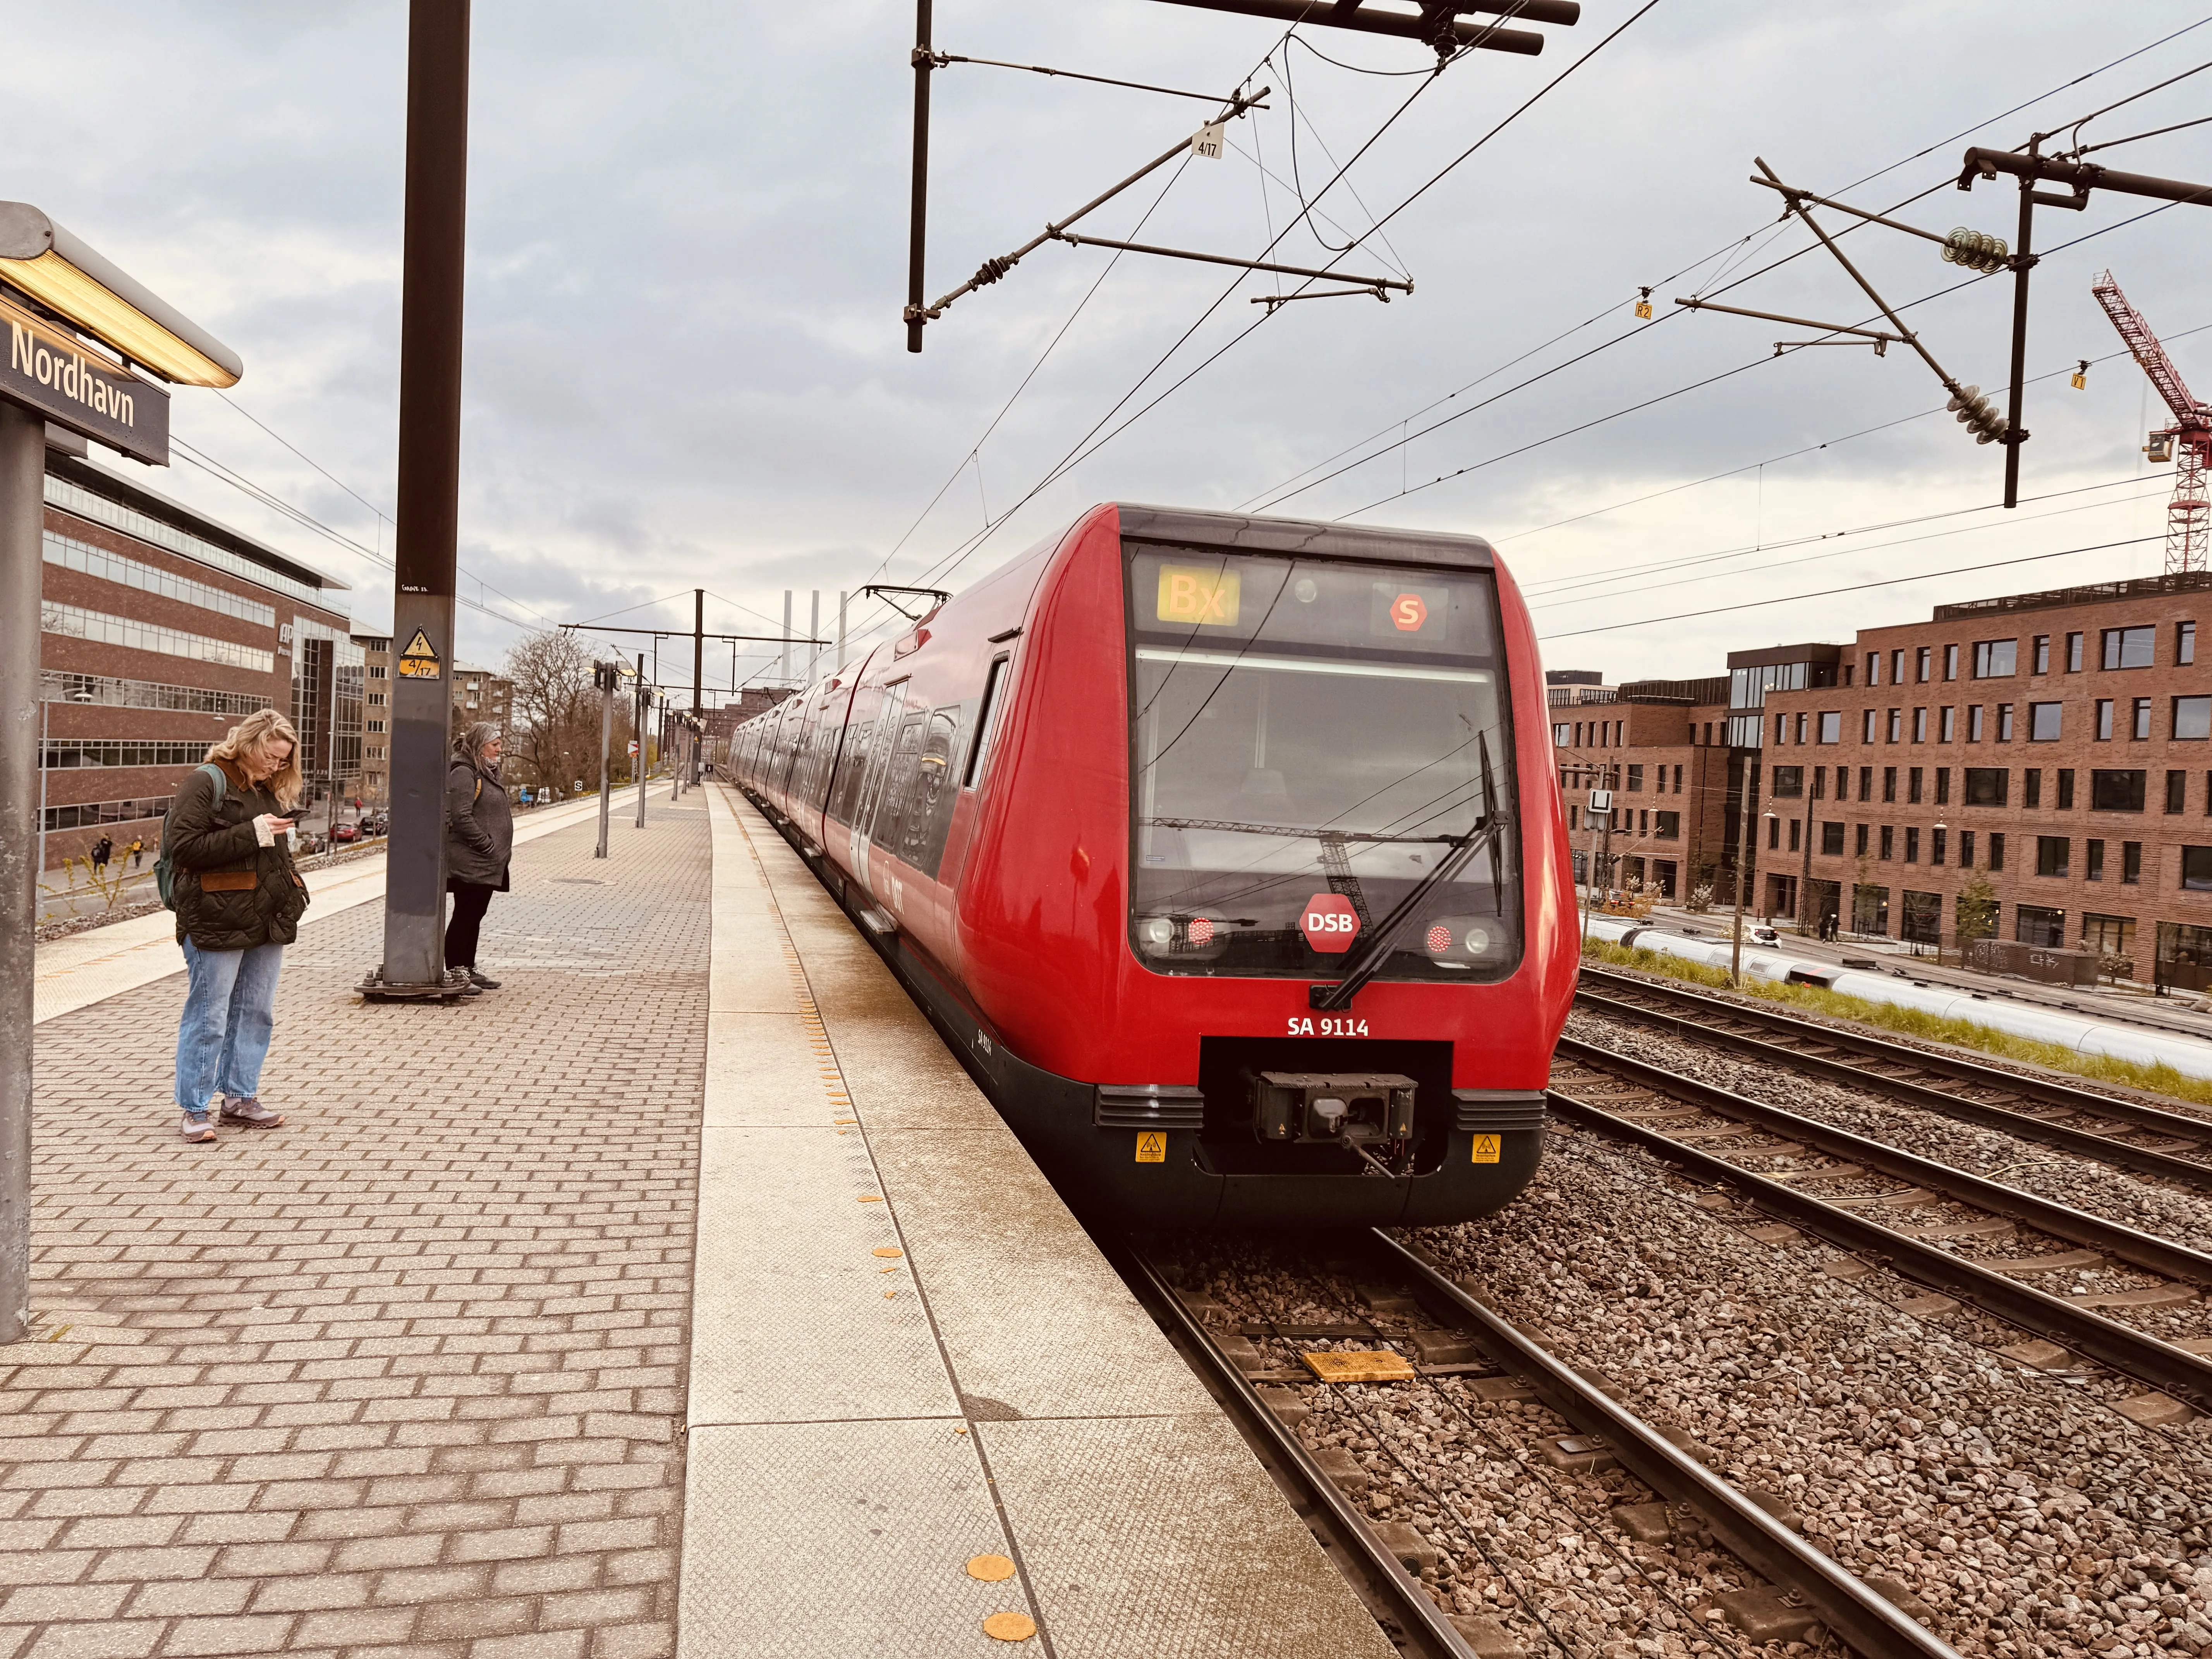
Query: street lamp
[[78, 330]]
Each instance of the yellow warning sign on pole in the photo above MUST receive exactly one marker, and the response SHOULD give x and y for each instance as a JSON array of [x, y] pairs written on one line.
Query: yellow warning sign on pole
[[1486, 1148], [418, 660], [1151, 1147]]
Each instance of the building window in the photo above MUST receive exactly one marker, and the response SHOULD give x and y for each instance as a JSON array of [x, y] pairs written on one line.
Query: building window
[[1790, 781], [1866, 734], [2131, 864], [2065, 789], [1921, 660], [1869, 909], [2196, 869], [1796, 829], [1923, 921], [1831, 725], [2093, 861], [1874, 668], [2043, 653], [1996, 849], [376, 700], [1965, 849], [378, 671], [1995, 660], [1950, 662], [1896, 724], [2104, 719], [2036, 923], [1889, 843], [2072, 653], [1947, 725], [2184, 644], [1831, 841], [2139, 727], [2115, 791], [1936, 839], [1562, 734], [1889, 783], [2031, 786], [1911, 843], [2051, 852], [2044, 720], [2004, 722], [1774, 830], [2130, 647], [1942, 785], [1920, 725], [1800, 728], [1986, 786], [1859, 840], [1866, 783], [1666, 826], [2108, 936], [1897, 666], [374, 725], [1781, 729], [1636, 777], [1973, 722], [2177, 791], [2193, 719], [1912, 784]]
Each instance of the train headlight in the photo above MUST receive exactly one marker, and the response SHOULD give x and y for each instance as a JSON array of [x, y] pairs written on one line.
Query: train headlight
[[1156, 933], [1477, 940]]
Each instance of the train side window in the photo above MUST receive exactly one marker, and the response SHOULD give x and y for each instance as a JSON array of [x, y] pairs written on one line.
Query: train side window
[[987, 722]]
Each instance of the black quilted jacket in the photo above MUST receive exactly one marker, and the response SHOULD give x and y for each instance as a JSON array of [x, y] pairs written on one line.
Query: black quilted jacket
[[232, 892]]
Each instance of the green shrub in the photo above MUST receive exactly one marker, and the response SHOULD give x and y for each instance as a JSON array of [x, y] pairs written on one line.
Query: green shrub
[[1915, 1023]]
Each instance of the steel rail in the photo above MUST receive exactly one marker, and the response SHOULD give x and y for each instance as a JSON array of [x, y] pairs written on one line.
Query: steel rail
[[2131, 1352], [1849, 1607], [2145, 1250], [1420, 1619], [2103, 1147]]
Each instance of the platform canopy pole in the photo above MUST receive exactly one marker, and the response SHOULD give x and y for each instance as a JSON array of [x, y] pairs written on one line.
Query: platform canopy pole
[[429, 500]]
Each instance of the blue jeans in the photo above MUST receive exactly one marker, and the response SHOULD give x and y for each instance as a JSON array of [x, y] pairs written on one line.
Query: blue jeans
[[230, 1014]]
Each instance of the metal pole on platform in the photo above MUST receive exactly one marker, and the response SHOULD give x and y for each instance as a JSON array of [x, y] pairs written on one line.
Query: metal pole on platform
[[698, 669], [607, 675], [23, 527], [813, 634], [783, 669], [644, 700], [1744, 851], [430, 495], [841, 632]]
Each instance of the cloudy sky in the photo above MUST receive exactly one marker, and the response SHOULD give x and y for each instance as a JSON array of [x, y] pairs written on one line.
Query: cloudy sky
[[688, 250]]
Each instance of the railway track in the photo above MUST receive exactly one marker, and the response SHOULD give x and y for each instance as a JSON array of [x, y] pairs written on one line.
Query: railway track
[[1807, 1585], [2130, 1134], [1688, 1122]]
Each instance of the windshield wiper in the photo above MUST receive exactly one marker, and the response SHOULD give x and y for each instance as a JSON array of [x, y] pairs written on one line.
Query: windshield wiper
[[1381, 945]]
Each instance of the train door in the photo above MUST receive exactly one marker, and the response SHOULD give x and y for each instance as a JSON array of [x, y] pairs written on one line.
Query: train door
[[871, 777]]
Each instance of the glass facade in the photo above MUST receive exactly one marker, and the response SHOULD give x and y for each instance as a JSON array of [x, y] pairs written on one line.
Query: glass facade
[[328, 670]]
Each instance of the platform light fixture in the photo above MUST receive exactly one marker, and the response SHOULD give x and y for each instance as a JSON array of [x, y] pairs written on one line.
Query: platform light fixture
[[56, 269]]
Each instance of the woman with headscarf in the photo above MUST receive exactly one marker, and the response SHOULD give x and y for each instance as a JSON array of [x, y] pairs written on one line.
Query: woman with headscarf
[[239, 902], [479, 841]]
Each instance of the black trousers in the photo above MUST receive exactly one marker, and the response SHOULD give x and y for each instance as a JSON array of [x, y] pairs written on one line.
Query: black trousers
[[470, 899]]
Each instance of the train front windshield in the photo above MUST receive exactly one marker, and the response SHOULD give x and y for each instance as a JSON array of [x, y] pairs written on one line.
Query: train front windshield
[[1314, 743]]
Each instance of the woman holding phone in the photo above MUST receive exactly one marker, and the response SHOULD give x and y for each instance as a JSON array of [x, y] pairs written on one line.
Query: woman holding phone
[[239, 902]]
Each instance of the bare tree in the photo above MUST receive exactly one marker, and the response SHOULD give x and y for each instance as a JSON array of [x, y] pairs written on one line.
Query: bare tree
[[556, 739]]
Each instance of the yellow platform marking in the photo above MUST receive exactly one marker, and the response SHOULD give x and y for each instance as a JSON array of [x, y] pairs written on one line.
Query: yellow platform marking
[[1376, 1365], [1010, 1628], [1151, 1147], [1486, 1148], [889, 1251], [991, 1569]]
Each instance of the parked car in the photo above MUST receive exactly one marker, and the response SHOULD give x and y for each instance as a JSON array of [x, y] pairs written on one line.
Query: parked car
[[340, 832]]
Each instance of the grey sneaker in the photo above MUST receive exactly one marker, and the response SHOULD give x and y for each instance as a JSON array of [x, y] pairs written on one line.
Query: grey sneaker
[[195, 1127], [248, 1112], [481, 981]]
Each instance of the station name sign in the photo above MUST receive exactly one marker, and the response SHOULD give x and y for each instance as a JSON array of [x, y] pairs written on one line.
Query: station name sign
[[47, 370]]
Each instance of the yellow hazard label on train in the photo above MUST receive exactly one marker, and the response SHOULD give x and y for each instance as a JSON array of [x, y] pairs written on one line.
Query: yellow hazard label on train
[[1151, 1147], [1486, 1148]]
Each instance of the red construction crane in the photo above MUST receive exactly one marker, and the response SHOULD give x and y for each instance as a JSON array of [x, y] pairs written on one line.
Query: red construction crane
[[2188, 440]]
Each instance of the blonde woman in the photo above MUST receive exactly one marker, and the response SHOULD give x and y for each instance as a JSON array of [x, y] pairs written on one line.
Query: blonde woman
[[238, 902]]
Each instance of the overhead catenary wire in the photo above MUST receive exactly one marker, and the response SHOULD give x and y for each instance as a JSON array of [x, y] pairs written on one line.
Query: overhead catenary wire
[[1855, 587]]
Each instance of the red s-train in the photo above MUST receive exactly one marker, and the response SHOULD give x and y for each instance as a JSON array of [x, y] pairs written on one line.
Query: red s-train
[[1227, 853]]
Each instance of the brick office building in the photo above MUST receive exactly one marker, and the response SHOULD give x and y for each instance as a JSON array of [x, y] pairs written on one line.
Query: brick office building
[[2057, 744], [161, 629], [1661, 746]]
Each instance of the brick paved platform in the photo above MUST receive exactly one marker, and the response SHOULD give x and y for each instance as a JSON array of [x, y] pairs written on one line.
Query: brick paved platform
[[406, 1377]]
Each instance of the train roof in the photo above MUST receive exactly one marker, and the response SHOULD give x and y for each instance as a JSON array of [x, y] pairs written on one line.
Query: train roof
[[1248, 533]]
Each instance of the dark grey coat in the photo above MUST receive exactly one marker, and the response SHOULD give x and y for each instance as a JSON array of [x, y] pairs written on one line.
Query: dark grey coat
[[479, 827]]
